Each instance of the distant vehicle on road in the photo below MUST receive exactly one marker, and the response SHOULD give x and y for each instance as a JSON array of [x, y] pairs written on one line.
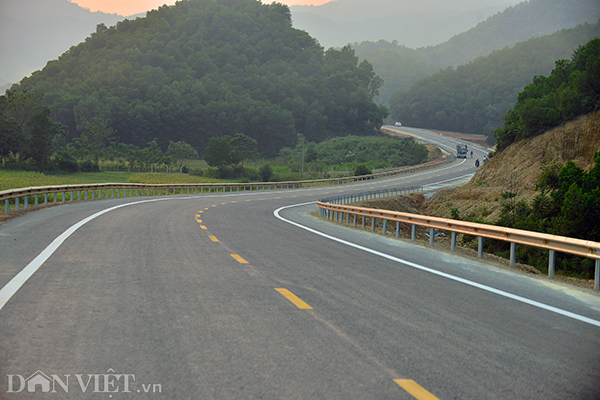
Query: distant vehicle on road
[[461, 151], [398, 124]]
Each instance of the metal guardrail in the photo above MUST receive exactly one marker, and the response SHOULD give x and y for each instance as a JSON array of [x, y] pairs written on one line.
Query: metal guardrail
[[95, 191], [335, 209]]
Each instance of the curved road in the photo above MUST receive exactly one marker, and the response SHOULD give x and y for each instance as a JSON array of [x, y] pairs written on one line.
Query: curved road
[[244, 296]]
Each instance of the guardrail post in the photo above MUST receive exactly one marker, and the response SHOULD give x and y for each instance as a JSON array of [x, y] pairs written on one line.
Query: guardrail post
[[597, 276], [36, 200], [414, 232], [431, 236], [79, 195], [6, 206], [513, 254], [453, 241], [347, 218], [99, 194], [397, 228], [16, 204], [26, 201], [45, 198], [71, 198], [385, 222], [355, 220], [480, 247], [364, 222], [373, 222], [551, 266]]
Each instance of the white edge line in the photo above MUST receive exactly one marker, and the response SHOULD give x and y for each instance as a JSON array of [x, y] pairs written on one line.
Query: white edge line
[[9, 290], [439, 273]]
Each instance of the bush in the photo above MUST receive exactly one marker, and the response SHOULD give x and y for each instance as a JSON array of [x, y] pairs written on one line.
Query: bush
[[64, 162], [362, 169], [266, 172], [88, 166]]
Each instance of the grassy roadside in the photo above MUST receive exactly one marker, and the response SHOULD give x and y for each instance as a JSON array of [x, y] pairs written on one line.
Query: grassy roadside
[[21, 179]]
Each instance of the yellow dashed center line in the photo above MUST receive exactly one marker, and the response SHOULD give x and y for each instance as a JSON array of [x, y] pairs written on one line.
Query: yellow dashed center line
[[415, 389], [294, 299], [203, 227], [239, 259], [213, 238]]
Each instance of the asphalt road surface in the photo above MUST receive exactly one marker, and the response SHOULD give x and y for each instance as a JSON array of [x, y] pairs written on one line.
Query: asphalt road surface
[[249, 296]]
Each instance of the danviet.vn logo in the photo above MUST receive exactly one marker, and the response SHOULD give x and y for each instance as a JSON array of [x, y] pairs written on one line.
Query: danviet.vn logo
[[109, 383]]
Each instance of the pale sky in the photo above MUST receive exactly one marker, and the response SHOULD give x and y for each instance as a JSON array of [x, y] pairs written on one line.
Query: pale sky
[[130, 7]]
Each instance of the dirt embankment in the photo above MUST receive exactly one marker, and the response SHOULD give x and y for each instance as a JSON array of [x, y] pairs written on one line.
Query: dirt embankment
[[518, 168]]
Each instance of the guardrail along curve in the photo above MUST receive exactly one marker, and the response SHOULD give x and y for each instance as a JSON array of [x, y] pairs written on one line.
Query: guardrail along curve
[[335, 209], [95, 191]]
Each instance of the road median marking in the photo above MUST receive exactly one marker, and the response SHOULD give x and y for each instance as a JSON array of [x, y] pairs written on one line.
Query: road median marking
[[294, 299], [415, 389], [239, 259], [213, 238], [203, 227]]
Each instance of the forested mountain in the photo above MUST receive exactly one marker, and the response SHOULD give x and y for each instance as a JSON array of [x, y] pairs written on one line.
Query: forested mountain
[[401, 66], [35, 31], [473, 98], [413, 23], [206, 68]]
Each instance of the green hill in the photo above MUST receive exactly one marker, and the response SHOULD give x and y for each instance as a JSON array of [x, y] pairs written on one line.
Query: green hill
[[205, 68]]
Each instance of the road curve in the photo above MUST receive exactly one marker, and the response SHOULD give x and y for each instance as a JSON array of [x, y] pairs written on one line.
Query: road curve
[[221, 297]]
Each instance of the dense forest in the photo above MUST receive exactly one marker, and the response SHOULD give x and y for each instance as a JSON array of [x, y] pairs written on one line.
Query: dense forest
[[206, 68], [473, 98], [401, 66], [572, 89]]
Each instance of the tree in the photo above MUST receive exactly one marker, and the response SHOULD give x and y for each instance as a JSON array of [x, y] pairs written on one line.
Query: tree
[[182, 151], [244, 146], [21, 106], [220, 152], [9, 137], [96, 134]]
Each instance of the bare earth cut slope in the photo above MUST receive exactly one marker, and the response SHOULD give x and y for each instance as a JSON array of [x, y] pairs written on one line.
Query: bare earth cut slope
[[518, 168]]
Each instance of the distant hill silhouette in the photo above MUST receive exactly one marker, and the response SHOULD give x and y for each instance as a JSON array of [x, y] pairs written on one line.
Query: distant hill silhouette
[[412, 23], [401, 66], [32, 32]]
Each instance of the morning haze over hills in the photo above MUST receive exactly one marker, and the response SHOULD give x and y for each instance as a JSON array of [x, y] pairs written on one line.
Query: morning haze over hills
[[496, 50]]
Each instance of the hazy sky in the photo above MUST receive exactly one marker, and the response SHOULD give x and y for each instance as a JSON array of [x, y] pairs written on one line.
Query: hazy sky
[[130, 7]]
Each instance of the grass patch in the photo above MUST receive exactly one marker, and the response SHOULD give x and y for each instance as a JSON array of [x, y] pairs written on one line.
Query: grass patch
[[23, 179]]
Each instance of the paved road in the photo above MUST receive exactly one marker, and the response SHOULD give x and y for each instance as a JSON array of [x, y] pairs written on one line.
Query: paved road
[[223, 297]]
